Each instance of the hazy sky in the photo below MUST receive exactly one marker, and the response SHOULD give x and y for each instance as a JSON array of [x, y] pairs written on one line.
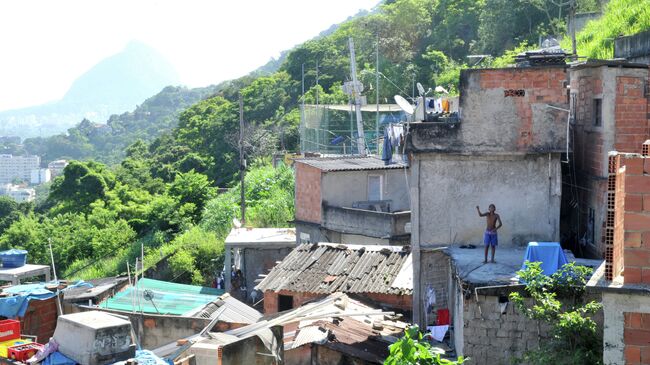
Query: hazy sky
[[46, 44]]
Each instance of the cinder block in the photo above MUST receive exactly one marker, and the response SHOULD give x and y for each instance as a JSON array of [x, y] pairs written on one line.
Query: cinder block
[[94, 338]]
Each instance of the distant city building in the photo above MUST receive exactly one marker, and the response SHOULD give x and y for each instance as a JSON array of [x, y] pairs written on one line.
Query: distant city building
[[40, 176], [56, 167], [10, 140], [17, 193], [17, 167]]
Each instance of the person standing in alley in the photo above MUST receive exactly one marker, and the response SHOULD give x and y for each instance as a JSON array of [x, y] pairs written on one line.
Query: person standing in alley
[[493, 222]]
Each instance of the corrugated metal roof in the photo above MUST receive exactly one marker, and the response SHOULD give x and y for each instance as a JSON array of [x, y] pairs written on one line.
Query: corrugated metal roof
[[166, 297], [326, 268], [350, 163], [229, 309]]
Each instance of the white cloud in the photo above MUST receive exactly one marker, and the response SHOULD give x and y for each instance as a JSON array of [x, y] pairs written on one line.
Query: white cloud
[[46, 44]]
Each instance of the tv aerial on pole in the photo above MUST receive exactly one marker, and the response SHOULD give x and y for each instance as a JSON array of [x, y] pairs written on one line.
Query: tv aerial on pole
[[357, 88]]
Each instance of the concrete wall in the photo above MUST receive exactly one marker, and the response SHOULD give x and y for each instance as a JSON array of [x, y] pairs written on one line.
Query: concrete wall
[[157, 330], [493, 119], [634, 48], [365, 222], [315, 233], [308, 193], [581, 19], [259, 262], [616, 306], [525, 189], [342, 188]]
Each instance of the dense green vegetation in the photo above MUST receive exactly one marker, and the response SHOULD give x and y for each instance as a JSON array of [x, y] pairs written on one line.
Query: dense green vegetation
[[411, 349], [559, 301]]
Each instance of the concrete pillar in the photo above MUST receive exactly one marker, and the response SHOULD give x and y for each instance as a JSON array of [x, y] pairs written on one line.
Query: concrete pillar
[[227, 263], [415, 239]]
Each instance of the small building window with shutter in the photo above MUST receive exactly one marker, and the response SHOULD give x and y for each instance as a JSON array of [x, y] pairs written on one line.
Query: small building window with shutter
[[598, 112], [374, 187]]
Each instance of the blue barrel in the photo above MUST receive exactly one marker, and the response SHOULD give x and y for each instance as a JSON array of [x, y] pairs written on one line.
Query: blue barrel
[[13, 258]]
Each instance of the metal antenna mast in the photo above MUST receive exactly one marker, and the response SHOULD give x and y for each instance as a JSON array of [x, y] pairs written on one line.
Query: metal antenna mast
[[361, 139], [377, 93], [242, 160]]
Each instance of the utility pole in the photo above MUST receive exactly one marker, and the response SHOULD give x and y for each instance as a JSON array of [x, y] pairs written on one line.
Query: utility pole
[[572, 18], [242, 160], [302, 111], [317, 84], [361, 139]]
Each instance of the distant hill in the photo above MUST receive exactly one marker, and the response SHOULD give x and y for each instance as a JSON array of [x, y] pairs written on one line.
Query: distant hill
[[117, 83], [106, 142]]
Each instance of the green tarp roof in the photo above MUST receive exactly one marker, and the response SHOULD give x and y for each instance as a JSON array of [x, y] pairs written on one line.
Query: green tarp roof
[[167, 298]]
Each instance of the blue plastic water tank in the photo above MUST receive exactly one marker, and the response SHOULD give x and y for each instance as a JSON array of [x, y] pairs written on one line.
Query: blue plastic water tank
[[13, 258]]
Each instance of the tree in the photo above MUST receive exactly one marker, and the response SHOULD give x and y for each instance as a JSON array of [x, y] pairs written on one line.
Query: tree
[[192, 188], [11, 211], [573, 332], [82, 183]]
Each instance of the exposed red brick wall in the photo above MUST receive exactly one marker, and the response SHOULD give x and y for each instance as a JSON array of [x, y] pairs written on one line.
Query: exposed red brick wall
[[589, 147], [636, 335], [541, 86], [270, 302], [308, 193], [40, 319], [631, 114], [401, 302], [632, 218]]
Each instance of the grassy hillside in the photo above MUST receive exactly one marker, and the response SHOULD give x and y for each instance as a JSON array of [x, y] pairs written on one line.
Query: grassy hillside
[[620, 18]]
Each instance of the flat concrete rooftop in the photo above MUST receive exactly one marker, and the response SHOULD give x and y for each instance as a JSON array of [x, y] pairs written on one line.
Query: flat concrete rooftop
[[471, 269], [262, 237]]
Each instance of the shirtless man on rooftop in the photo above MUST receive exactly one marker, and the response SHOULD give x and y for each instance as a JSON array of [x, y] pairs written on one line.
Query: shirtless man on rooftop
[[493, 224]]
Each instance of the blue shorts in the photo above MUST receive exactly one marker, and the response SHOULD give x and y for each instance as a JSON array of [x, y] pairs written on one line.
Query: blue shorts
[[490, 238]]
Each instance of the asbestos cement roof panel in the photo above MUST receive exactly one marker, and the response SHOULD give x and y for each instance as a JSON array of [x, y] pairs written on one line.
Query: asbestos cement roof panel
[[326, 268]]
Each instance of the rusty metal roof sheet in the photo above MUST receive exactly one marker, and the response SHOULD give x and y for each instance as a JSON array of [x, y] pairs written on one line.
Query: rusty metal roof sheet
[[350, 163], [325, 268]]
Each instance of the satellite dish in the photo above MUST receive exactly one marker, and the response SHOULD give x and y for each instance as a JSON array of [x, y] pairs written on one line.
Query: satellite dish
[[420, 89], [405, 105]]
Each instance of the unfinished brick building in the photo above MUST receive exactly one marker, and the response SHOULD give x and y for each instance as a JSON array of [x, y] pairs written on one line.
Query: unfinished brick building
[[624, 279], [351, 200], [505, 149], [609, 106]]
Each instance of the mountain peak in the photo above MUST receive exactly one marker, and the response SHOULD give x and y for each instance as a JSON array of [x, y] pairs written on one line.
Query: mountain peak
[[124, 79]]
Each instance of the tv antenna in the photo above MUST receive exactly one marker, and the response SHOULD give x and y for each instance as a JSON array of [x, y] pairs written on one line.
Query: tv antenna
[[357, 88]]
